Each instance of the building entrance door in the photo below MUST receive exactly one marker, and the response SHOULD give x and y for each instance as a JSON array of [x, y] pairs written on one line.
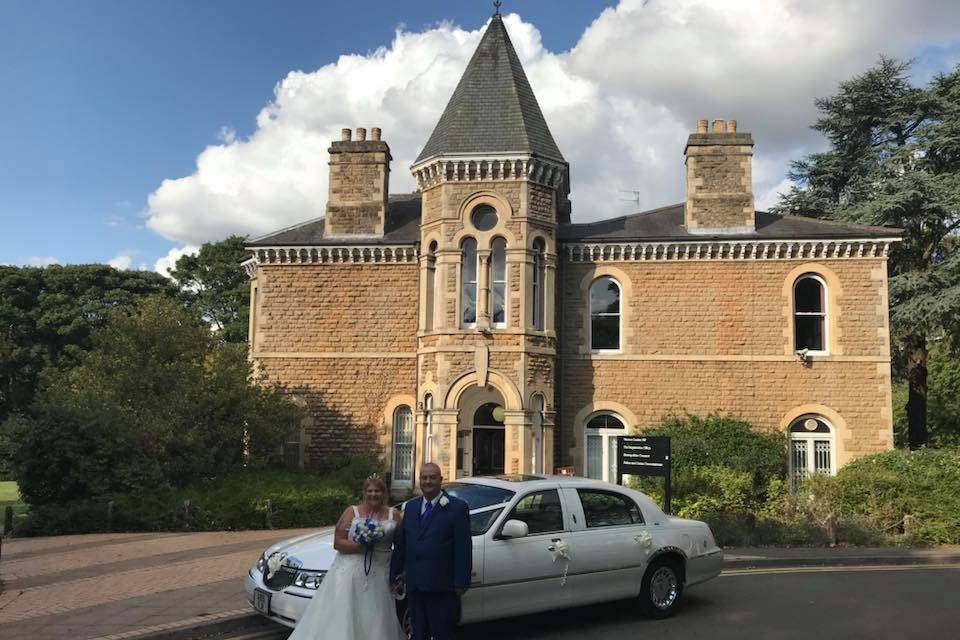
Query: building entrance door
[[487, 450]]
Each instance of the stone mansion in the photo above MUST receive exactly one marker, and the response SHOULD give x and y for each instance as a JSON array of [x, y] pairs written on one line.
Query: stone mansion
[[474, 324]]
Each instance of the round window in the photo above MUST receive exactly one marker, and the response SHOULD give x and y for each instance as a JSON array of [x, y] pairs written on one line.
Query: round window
[[484, 217]]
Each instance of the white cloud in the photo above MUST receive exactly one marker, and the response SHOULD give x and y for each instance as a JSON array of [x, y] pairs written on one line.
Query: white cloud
[[227, 135], [40, 261], [620, 103], [167, 262], [121, 261]]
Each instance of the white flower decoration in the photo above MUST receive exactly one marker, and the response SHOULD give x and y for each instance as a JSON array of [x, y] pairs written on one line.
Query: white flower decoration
[[444, 501], [274, 562], [645, 540]]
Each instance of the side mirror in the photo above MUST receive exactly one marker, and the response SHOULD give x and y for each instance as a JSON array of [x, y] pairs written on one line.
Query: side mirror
[[514, 529]]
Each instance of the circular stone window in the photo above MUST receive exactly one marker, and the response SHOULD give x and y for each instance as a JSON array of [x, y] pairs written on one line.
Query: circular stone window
[[484, 217]]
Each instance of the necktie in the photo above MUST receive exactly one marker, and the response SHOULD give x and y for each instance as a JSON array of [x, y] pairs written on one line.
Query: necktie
[[427, 508]]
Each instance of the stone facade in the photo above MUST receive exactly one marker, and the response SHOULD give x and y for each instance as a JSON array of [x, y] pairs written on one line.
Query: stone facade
[[457, 325]]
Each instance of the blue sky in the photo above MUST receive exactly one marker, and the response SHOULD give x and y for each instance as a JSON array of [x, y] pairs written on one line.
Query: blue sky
[[104, 100]]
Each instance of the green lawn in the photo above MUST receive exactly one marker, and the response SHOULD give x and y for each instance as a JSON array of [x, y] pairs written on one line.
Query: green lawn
[[9, 496]]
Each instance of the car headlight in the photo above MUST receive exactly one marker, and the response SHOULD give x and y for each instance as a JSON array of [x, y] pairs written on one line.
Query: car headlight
[[261, 564], [309, 579]]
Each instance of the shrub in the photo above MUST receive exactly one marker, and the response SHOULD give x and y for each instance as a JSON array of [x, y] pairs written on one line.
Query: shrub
[[236, 501]]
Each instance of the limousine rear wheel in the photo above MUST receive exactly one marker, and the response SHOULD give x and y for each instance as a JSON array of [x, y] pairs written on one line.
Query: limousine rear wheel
[[661, 588]]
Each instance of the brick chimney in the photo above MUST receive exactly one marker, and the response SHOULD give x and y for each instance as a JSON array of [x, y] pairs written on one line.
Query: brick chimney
[[359, 184], [719, 180]]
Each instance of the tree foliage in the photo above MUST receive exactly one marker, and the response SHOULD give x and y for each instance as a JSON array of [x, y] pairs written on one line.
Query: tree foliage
[[47, 317], [214, 284], [894, 160], [156, 402]]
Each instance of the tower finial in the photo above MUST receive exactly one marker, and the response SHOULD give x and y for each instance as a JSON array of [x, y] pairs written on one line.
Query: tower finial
[[496, 7]]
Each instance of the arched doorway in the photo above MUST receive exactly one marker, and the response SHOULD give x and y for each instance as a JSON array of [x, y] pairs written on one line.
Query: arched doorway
[[481, 437]]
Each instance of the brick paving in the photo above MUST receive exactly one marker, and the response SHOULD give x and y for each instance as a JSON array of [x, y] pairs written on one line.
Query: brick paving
[[125, 585]]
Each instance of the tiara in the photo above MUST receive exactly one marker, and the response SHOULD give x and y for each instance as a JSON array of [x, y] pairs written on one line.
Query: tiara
[[373, 476]]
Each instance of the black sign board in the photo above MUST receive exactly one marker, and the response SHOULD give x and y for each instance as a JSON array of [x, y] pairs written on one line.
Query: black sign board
[[645, 456]]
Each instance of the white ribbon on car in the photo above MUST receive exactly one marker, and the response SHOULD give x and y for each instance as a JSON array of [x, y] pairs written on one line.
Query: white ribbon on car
[[645, 540], [561, 551]]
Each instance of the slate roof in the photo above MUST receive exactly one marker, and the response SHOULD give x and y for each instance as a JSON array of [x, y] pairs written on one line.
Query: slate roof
[[493, 109], [402, 226], [666, 224]]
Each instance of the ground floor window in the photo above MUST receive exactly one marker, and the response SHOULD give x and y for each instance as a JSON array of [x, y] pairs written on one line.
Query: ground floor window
[[600, 437], [403, 444], [812, 449], [291, 449]]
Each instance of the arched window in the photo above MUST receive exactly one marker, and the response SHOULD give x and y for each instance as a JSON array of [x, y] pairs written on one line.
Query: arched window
[[431, 282], [811, 447], [403, 444], [810, 314], [468, 283], [600, 437], [428, 428], [539, 269], [604, 314], [498, 282], [538, 405]]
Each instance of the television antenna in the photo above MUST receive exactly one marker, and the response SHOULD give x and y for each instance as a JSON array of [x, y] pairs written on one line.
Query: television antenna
[[635, 199]]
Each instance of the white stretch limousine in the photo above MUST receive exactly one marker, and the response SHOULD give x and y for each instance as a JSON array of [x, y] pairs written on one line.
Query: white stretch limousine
[[539, 543]]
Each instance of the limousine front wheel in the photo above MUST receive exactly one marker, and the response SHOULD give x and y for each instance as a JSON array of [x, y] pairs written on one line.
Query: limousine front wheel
[[661, 589]]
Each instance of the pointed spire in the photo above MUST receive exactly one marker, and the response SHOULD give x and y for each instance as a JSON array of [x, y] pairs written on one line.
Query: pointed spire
[[493, 109]]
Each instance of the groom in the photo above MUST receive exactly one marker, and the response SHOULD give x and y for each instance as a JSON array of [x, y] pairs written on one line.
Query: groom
[[433, 558]]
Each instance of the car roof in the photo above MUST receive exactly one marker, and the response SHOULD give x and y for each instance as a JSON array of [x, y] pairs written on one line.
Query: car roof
[[533, 482]]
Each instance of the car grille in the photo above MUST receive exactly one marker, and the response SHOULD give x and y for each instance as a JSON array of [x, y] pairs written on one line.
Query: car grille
[[281, 579]]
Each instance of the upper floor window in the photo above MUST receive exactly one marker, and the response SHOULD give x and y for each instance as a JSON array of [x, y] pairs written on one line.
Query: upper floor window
[[810, 314], [428, 428], [432, 289], [468, 283], [403, 444], [539, 268], [498, 282], [604, 314], [811, 448], [484, 217]]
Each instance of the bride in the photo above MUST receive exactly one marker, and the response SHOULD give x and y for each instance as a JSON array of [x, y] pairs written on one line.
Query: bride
[[354, 599]]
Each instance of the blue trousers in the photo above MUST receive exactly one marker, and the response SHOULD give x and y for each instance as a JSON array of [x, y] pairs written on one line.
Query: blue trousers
[[434, 614]]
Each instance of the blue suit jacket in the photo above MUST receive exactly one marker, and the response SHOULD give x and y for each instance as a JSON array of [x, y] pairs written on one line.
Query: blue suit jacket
[[435, 553]]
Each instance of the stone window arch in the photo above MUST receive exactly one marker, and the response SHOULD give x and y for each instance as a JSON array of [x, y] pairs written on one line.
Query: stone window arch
[[812, 447], [468, 282], [810, 311], [605, 314]]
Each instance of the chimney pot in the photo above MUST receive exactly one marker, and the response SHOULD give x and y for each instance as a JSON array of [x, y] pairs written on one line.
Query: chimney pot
[[375, 133], [361, 134], [731, 126], [345, 134], [718, 126], [701, 126]]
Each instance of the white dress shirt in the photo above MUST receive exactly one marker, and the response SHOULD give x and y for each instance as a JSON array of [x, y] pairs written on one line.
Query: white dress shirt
[[423, 504]]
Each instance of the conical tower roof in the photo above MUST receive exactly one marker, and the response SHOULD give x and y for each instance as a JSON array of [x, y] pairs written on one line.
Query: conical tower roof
[[493, 109]]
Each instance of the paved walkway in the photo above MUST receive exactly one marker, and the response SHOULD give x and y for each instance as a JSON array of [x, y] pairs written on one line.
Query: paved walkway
[[134, 585], [124, 585]]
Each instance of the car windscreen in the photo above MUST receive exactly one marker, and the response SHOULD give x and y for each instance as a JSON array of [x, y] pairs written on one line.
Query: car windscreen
[[478, 496]]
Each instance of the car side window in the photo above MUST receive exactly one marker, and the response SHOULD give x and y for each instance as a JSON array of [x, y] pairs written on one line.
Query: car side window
[[608, 509], [541, 511]]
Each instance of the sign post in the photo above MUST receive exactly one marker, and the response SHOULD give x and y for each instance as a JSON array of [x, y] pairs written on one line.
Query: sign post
[[645, 456]]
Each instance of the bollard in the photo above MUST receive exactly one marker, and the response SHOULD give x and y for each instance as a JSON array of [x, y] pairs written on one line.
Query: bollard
[[186, 513], [269, 513], [8, 521], [110, 515], [907, 525], [832, 529]]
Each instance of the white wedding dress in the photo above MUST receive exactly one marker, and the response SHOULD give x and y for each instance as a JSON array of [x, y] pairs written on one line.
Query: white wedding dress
[[351, 604]]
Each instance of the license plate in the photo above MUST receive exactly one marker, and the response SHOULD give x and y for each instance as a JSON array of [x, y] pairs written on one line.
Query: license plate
[[261, 601]]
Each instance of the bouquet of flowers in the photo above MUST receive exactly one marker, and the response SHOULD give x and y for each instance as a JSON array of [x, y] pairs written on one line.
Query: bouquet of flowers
[[367, 532]]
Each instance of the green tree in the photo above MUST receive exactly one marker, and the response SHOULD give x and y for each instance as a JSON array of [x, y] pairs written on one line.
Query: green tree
[[214, 284], [156, 402], [47, 317], [894, 160]]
